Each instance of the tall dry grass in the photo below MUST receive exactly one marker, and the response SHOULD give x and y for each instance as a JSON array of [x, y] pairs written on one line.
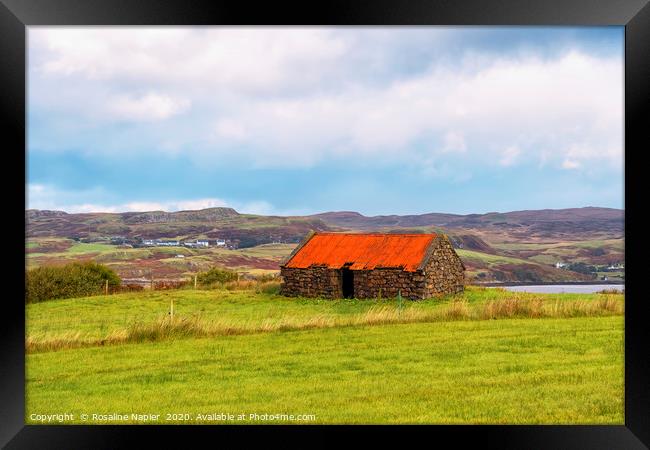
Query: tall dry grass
[[515, 306]]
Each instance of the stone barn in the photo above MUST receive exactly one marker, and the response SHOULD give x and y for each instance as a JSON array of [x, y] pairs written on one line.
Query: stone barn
[[370, 265]]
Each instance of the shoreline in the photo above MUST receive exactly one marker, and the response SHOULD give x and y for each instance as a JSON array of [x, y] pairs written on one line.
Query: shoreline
[[551, 283]]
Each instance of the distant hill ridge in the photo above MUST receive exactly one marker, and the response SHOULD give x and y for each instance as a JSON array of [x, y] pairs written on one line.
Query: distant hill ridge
[[511, 246], [349, 218], [588, 212]]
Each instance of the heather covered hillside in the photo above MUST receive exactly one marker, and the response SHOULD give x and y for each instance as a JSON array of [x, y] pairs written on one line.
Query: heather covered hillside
[[578, 244]]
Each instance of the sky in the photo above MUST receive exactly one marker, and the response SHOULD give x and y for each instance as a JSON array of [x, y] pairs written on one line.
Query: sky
[[302, 120]]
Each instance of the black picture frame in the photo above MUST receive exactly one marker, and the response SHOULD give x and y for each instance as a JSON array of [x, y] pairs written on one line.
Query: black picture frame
[[16, 15]]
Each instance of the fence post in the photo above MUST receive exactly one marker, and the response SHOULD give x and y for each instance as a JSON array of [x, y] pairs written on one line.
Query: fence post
[[106, 288], [194, 281], [172, 309]]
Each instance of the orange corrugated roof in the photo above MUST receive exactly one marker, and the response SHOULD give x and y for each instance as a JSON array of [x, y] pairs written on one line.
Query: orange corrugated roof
[[364, 251]]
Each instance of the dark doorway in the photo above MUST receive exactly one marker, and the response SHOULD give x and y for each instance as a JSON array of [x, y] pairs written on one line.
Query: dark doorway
[[347, 283]]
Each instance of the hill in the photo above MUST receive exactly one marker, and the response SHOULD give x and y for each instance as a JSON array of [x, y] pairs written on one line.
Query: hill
[[545, 223], [247, 230], [510, 246]]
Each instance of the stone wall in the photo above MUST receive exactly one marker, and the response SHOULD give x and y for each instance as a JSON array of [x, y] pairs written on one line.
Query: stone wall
[[388, 282], [312, 282], [442, 273]]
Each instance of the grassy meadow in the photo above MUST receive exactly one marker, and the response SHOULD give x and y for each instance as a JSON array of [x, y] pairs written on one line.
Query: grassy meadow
[[486, 356]]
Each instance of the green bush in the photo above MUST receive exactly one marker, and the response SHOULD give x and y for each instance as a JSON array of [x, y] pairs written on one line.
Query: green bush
[[215, 276], [71, 280]]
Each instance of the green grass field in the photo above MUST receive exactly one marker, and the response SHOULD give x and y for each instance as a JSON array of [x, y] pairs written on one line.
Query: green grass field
[[548, 253], [98, 317], [488, 258], [336, 361]]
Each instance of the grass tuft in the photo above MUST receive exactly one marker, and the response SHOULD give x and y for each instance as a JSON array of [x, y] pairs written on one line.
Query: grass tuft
[[512, 305]]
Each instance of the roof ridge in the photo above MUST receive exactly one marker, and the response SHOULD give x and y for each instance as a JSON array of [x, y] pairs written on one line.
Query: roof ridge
[[374, 234]]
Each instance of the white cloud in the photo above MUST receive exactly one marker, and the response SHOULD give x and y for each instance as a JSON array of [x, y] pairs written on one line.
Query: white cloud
[[239, 58], [151, 106], [230, 129], [454, 142], [570, 164], [549, 109], [196, 204], [40, 196], [509, 156], [293, 97]]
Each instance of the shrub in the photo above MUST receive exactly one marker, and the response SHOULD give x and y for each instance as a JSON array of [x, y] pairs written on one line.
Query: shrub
[[71, 280], [215, 276], [611, 291]]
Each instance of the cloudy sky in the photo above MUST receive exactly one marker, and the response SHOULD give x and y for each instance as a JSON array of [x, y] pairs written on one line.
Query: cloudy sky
[[275, 120]]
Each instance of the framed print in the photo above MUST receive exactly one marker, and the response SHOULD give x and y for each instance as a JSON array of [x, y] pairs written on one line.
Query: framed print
[[346, 217]]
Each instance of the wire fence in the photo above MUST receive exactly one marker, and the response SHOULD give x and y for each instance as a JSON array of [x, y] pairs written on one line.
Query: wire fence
[[141, 285]]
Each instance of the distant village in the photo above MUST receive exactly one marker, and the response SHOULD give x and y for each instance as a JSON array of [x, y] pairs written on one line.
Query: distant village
[[230, 244], [189, 243], [608, 272]]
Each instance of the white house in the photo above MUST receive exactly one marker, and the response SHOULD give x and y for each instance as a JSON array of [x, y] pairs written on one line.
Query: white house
[[196, 244]]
